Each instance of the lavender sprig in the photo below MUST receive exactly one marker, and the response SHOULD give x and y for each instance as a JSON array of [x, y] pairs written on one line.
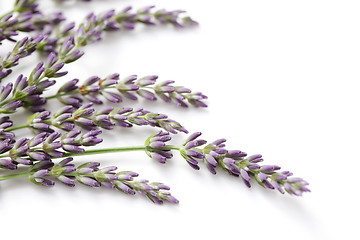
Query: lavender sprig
[[65, 46], [22, 48], [87, 118], [10, 25], [23, 92], [234, 162], [146, 87], [26, 6], [92, 28], [45, 172], [27, 91], [44, 146], [26, 17], [69, 51]]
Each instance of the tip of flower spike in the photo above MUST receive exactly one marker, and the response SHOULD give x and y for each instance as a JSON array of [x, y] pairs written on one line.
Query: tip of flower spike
[[172, 199]]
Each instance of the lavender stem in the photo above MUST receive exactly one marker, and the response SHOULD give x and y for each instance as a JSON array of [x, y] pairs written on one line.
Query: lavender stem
[[15, 175], [110, 150], [119, 149], [16, 127], [62, 94], [107, 150]]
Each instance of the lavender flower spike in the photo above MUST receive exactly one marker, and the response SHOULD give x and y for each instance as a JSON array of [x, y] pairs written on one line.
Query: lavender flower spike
[[155, 147], [45, 146], [130, 87], [45, 173], [87, 118], [235, 162]]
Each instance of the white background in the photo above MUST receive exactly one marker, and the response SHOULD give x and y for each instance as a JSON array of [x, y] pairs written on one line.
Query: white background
[[282, 80]]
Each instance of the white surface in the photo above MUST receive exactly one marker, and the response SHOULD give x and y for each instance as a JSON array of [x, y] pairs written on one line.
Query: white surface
[[282, 80]]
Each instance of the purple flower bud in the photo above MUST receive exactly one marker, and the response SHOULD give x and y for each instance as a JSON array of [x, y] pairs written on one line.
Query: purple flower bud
[[73, 56], [12, 106], [88, 181], [41, 173], [210, 168], [51, 59], [193, 137], [91, 80], [69, 86], [158, 157], [44, 182], [127, 175], [7, 164], [262, 176], [194, 153], [5, 91], [124, 188], [22, 161], [157, 144], [67, 181], [236, 154], [195, 143], [211, 160], [219, 142], [72, 148], [277, 186], [269, 168], [37, 155]]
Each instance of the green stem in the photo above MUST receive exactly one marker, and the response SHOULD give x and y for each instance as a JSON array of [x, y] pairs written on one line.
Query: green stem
[[119, 149], [78, 91], [107, 150], [15, 175], [17, 127], [72, 93], [91, 152], [62, 94]]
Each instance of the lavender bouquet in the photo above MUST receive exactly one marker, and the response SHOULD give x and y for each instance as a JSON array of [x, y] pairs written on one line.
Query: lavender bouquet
[[61, 136]]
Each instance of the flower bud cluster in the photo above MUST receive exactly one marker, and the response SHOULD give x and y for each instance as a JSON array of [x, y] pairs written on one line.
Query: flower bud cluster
[[26, 18], [10, 25], [129, 88], [91, 29], [87, 118], [155, 147], [234, 162], [89, 174], [22, 48], [5, 123], [27, 92], [44, 147]]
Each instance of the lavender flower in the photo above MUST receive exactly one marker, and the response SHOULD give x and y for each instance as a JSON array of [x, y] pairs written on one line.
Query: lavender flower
[[26, 17], [26, 6], [155, 147], [45, 173], [87, 118], [20, 92], [10, 25], [45, 146], [64, 46], [5, 123], [92, 28], [234, 162], [22, 48], [146, 87]]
